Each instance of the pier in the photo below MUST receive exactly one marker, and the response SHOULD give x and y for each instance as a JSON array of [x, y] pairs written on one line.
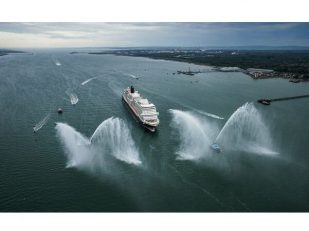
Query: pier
[[189, 72], [268, 101]]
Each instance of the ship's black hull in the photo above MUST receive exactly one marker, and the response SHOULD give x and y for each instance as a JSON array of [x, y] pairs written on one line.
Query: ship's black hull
[[146, 126]]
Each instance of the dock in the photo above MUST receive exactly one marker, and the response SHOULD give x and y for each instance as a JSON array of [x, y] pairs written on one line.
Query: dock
[[268, 101]]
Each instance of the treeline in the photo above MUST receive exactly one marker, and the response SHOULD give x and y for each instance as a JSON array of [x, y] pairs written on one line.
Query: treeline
[[296, 62], [7, 51]]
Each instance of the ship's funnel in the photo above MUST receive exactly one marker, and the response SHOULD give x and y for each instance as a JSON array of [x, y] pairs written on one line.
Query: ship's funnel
[[132, 89]]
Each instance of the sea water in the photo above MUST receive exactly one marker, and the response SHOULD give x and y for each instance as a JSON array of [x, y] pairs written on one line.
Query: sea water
[[96, 157]]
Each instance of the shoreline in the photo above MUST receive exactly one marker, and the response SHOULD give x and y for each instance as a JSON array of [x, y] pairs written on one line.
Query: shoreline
[[258, 64], [4, 52]]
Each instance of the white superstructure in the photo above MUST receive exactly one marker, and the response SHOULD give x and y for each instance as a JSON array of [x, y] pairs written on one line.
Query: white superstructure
[[144, 110]]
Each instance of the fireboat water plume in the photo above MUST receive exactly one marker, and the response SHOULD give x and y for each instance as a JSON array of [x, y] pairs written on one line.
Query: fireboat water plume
[[247, 131], [112, 139], [196, 134], [115, 136]]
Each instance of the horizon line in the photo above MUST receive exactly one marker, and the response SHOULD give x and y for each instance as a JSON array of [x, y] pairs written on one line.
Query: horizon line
[[156, 46]]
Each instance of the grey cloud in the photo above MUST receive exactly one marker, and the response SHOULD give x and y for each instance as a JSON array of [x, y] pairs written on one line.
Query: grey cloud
[[165, 34]]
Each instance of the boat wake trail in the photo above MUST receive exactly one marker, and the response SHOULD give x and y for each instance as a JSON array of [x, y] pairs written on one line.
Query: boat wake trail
[[209, 114], [87, 81], [111, 139], [133, 76], [40, 124], [246, 131], [196, 134], [116, 87], [203, 112], [191, 184], [56, 61]]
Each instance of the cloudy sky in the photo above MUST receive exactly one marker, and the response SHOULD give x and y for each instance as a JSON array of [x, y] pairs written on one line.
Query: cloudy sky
[[48, 35]]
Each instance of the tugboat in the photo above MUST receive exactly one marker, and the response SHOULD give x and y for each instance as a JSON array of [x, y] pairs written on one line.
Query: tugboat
[[142, 109]]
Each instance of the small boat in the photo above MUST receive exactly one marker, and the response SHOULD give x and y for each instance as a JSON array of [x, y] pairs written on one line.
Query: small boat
[[60, 111], [215, 147]]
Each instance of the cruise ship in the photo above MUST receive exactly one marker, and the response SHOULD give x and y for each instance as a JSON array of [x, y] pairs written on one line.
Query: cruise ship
[[142, 109]]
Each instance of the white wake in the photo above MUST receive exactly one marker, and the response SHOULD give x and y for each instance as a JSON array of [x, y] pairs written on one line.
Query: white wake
[[133, 76], [209, 114], [40, 124], [87, 81], [116, 88]]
